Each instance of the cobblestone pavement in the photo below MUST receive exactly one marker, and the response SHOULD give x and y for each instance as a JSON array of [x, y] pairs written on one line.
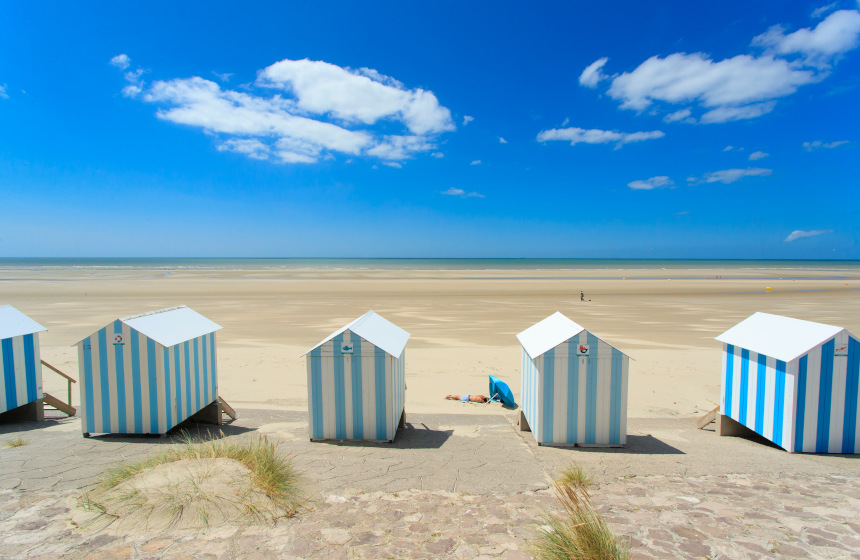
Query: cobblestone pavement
[[455, 486]]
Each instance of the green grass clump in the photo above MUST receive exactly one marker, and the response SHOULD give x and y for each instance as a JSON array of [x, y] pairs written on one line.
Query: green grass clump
[[200, 492], [579, 532], [577, 477], [17, 442]]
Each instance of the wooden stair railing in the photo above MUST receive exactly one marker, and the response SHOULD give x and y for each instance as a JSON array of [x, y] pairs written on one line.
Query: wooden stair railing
[[227, 409], [50, 400]]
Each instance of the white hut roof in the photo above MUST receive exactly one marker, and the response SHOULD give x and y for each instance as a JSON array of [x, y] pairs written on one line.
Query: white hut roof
[[14, 323], [547, 334], [376, 330], [783, 338], [171, 325]]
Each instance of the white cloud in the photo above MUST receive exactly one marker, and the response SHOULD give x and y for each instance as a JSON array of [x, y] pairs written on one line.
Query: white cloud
[[652, 183], [476, 162], [566, 122], [393, 164], [467, 119], [814, 145], [681, 115], [740, 87], [837, 34], [363, 96], [727, 176], [819, 12], [758, 155], [592, 75], [3, 94], [728, 148], [800, 234], [502, 140], [224, 77], [121, 61], [453, 191], [319, 110], [576, 135], [438, 155]]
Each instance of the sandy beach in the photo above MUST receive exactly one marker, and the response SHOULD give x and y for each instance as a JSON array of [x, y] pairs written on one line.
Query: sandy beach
[[463, 322]]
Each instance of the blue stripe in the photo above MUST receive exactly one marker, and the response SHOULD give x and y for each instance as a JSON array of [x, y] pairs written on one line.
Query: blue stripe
[[357, 402], [152, 377], [591, 391], [191, 392], [103, 376], [180, 397], [204, 356], [339, 388], [779, 403], [213, 370], [744, 389], [137, 398], [572, 392], [546, 435], [381, 403], [801, 403], [119, 372], [730, 379], [86, 351], [760, 385], [197, 373], [822, 441], [171, 393], [9, 374], [615, 383], [30, 367], [316, 393], [849, 422]]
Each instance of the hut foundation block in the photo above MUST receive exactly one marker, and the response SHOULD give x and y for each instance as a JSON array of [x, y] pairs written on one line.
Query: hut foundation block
[[209, 414]]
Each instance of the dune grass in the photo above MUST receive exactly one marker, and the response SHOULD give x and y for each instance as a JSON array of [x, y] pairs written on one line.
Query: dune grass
[[17, 442], [206, 488], [579, 532], [575, 476]]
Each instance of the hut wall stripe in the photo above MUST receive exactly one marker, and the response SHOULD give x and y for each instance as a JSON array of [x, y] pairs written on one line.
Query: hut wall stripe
[[357, 392], [548, 392], [572, 389], [154, 403], [339, 389], [30, 367], [315, 375], [824, 398], [851, 388], [379, 383], [591, 395], [615, 398], [9, 380], [728, 380]]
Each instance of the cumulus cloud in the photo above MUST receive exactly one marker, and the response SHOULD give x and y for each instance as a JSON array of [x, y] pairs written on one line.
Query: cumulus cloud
[[438, 155], [121, 61], [800, 234], [653, 183], [816, 144], [745, 86], [758, 155], [453, 191], [301, 111], [502, 140], [727, 176], [476, 162], [592, 75], [3, 94], [576, 135], [223, 76], [818, 13], [467, 119]]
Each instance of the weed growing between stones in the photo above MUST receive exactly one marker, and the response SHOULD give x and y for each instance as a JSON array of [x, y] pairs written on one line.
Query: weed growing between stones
[[575, 476], [579, 532], [196, 484], [17, 442]]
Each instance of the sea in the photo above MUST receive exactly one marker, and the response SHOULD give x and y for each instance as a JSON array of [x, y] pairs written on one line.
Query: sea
[[297, 264]]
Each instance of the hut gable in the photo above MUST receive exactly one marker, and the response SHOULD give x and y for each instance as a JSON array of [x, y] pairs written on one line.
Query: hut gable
[[14, 323], [169, 326], [377, 330], [783, 338], [547, 334]]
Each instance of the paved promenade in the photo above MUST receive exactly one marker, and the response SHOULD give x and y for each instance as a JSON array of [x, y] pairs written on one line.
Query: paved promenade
[[456, 486]]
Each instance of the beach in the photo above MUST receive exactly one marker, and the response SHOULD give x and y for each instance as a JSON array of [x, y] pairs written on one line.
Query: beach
[[463, 319]]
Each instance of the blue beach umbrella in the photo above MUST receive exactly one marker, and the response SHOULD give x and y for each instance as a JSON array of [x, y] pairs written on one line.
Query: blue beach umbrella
[[500, 392]]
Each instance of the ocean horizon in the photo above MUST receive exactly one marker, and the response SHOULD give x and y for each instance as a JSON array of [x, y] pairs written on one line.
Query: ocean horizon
[[277, 263]]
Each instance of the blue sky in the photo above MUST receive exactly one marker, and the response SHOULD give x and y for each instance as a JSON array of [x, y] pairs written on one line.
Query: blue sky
[[430, 129]]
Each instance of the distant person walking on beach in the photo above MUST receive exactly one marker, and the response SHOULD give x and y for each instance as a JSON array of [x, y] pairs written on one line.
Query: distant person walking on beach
[[581, 296]]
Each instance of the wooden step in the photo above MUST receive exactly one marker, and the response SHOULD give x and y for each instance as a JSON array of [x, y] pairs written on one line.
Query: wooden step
[[227, 409], [51, 400], [707, 418]]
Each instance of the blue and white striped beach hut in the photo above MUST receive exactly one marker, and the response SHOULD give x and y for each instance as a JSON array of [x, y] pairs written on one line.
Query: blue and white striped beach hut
[[794, 382], [20, 362], [146, 373], [574, 385], [357, 381]]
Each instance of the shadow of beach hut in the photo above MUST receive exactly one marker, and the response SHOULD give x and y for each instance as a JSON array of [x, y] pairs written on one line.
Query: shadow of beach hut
[[146, 373], [357, 381], [20, 365], [793, 382], [574, 386]]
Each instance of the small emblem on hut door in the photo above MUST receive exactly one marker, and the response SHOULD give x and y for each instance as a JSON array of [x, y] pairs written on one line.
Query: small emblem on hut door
[[582, 349], [346, 348], [118, 339], [841, 350]]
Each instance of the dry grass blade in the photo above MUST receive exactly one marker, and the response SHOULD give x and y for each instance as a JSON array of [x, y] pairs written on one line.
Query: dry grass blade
[[579, 532], [577, 477], [17, 442]]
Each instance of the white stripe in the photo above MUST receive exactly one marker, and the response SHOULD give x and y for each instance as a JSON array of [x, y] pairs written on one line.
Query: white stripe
[[736, 384], [129, 379], [625, 366], [143, 366], [559, 401], [82, 410], [311, 411], [3, 381], [98, 426], [813, 383], [769, 397], [20, 370], [837, 396]]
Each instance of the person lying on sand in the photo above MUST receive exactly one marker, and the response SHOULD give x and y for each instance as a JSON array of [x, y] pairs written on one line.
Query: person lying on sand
[[469, 398]]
